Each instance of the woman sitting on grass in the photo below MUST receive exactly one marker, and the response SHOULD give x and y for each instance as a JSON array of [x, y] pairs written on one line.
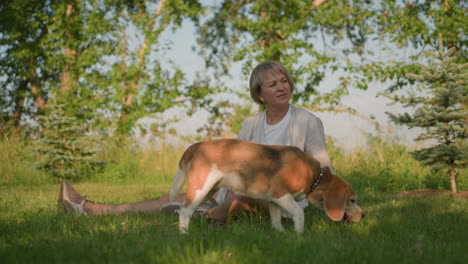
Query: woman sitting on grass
[[279, 124]]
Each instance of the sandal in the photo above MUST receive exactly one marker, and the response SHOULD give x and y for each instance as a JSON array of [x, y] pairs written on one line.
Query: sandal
[[71, 200]]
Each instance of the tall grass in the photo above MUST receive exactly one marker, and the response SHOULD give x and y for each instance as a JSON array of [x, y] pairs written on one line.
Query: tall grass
[[17, 162], [381, 165], [125, 163], [130, 162]]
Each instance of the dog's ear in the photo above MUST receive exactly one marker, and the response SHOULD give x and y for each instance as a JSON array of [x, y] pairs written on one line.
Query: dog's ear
[[335, 203]]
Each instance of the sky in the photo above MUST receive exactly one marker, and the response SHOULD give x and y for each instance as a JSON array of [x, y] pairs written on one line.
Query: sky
[[347, 130]]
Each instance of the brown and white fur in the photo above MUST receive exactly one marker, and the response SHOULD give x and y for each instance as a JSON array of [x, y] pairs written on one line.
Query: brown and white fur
[[278, 174]]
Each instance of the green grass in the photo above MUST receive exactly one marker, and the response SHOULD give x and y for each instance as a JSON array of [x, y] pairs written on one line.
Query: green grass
[[395, 230]]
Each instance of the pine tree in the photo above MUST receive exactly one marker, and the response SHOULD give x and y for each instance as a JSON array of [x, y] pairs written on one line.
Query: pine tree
[[441, 110], [65, 151]]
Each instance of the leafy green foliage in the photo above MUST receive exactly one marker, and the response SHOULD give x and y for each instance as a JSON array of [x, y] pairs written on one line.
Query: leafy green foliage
[[241, 113], [359, 41], [262, 30], [138, 84], [64, 150], [23, 45], [441, 110], [98, 58], [101, 58]]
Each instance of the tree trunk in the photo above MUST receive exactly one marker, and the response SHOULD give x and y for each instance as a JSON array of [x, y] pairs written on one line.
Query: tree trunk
[[129, 96], [66, 84], [19, 102], [453, 183], [465, 108], [123, 82], [270, 37], [316, 4], [36, 92]]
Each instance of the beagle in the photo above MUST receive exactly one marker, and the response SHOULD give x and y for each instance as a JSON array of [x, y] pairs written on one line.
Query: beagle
[[279, 174]]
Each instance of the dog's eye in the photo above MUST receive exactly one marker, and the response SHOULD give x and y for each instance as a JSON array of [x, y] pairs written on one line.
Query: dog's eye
[[353, 200]]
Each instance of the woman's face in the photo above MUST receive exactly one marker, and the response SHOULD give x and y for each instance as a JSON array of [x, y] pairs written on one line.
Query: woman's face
[[275, 89]]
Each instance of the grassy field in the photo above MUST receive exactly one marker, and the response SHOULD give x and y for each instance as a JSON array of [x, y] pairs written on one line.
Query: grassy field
[[396, 229]]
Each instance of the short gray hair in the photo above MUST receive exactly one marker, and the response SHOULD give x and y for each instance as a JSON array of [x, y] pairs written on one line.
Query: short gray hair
[[256, 78]]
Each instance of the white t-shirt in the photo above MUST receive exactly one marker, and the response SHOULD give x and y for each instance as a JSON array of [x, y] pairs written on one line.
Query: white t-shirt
[[277, 133]]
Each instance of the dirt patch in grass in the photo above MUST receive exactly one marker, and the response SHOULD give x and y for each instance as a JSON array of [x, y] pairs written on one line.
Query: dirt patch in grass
[[426, 193]]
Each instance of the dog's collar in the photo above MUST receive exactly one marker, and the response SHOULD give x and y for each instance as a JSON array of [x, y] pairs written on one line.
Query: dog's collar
[[316, 182]]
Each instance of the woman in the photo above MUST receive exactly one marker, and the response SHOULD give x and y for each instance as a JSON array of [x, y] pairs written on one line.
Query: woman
[[279, 124]]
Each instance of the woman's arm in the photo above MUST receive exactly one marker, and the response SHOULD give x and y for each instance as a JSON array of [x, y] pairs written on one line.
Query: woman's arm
[[316, 144]]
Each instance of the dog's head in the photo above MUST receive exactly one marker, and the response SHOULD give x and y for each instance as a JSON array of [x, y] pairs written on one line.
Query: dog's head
[[336, 197]]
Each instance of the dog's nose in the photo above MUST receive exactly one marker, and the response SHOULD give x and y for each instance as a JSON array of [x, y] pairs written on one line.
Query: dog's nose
[[362, 215]]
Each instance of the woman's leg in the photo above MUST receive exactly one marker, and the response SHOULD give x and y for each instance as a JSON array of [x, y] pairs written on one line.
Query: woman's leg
[[150, 206], [73, 202], [234, 205]]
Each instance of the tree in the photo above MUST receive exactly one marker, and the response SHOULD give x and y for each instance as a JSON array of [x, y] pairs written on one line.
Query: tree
[[441, 110], [138, 83], [48, 46], [98, 58], [111, 75], [64, 149], [22, 31], [410, 27]]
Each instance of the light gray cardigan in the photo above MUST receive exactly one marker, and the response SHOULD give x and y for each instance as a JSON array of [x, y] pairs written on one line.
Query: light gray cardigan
[[305, 132]]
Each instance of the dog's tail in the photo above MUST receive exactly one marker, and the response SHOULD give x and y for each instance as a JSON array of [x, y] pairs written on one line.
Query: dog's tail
[[177, 183], [181, 174]]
